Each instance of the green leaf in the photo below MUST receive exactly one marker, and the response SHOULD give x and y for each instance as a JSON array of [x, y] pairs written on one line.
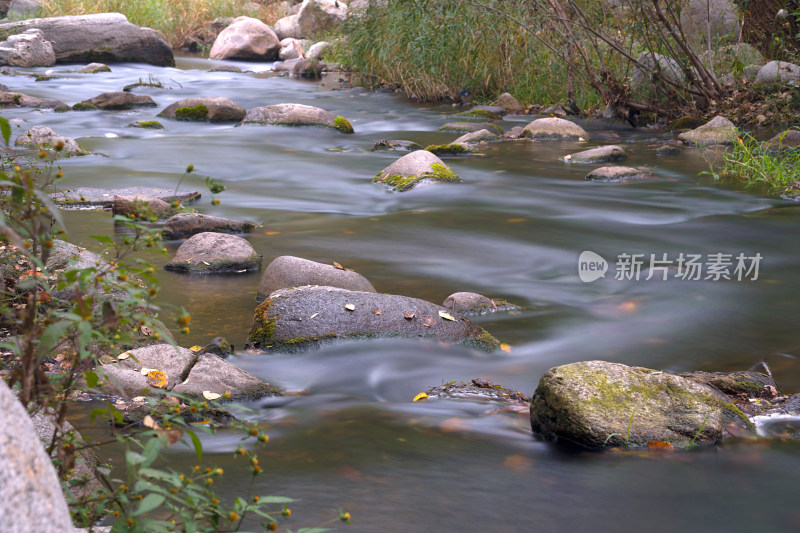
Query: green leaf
[[91, 379], [150, 502], [312, 529], [102, 238], [198, 446], [51, 336], [152, 449], [133, 458], [5, 128]]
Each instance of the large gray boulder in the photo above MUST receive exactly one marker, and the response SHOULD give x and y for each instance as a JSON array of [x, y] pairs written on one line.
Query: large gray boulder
[[509, 103], [30, 491], [554, 128], [205, 109], [287, 27], [786, 140], [296, 115], [27, 49], [185, 225], [103, 37], [649, 64], [209, 252], [483, 135], [718, 130], [246, 38], [778, 72], [14, 99], [44, 137], [601, 154], [115, 101], [714, 19], [287, 271], [302, 317], [317, 16], [213, 374], [65, 255], [588, 402], [412, 169]]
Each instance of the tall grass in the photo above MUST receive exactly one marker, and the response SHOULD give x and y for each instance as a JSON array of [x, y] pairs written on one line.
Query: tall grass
[[176, 19], [435, 50], [748, 160]]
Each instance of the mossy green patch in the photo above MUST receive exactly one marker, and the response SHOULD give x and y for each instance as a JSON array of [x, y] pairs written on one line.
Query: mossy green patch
[[147, 124], [80, 106], [400, 182], [448, 149], [343, 125], [43, 77], [443, 173], [485, 341], [263, 329], [198, 112]]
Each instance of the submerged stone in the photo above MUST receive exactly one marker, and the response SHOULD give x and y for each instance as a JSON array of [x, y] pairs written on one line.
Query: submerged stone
[[94, 197], [115, 101], [415, 168], [477, 136], [206, 109], [393, 145], [291, 319], [618, 174], [185, 225], [786, 140], [471, 126], [478, 389]]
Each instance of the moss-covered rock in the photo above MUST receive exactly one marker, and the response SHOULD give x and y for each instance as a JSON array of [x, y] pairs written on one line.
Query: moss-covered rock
[[115, 101], [450, 149], [685, 123], [617, 174], [597, 403], [718, 130], [147, 124], [414, 168], [734, 383], [480, 113], [205, 109], [395, 145], [303, 317]]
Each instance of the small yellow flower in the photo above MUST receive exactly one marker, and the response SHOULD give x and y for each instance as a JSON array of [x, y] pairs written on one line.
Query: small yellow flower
[[287, 512], [233, 516], [273, 526]]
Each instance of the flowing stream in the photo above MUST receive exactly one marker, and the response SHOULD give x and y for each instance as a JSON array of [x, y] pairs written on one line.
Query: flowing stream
[[513, 230]]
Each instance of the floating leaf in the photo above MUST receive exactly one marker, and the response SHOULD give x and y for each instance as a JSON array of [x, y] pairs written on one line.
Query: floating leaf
[[447, 316], [515, 220], [196, 348], [312, 316], [408, 315], [420, 396], [657, 444], [428, 321], [337, 265], [208, 395], [350, 307], [505, 347]]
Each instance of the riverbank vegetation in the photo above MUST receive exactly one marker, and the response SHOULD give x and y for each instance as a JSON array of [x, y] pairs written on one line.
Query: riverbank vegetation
[[177, 20]]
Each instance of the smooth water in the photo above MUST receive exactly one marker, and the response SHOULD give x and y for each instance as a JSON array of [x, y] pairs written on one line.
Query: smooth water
[[512, 230]]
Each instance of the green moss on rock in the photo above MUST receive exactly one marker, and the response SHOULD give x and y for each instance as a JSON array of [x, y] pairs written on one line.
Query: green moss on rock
[[84, 107], [263, 329], [448, 149], [481, 113], [343, 125], [685, 123], [198, 112], [147, 124]]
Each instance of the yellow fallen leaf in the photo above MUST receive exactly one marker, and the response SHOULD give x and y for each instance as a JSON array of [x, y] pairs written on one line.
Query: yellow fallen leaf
[[196, 348], [505, 347], [123, 355], [338, 266], [208, 395], [350, 307], [149, 422], [446, 316], [271, 233], [420, 396], [516, 220], [157, 379]]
